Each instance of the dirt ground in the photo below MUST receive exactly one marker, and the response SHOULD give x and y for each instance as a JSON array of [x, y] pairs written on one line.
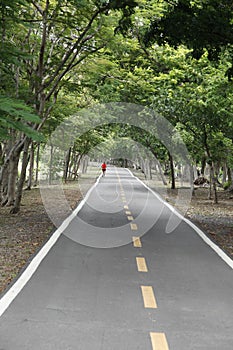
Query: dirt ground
[[216, 220], [21, 235]]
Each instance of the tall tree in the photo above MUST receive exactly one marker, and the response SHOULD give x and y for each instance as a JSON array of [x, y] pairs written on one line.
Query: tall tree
[[200, 25], [54, 38]]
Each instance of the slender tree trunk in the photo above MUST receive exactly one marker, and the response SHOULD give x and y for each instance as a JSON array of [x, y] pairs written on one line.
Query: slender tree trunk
[[147, 169], [215, 191], [4, 184], [71, 164], [150, 171], [142, 166], [213, 184], [37, 165], [9, 172], [22, 177], [173, 183], [12, 178], [84, 164], [158, 165], [6, 156], [224, 174], [215, 187], [1, 155], [203, 165], [31, 167], [193, 171], [210, 189], [67, 162], [161, 172], [77, 165], [51, 165], [213, 178], [229, 175]]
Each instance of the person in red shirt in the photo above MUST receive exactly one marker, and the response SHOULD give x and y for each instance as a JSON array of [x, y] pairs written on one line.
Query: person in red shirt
[[103, 167]]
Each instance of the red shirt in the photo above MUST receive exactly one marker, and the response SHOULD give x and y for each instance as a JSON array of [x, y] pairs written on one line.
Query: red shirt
[[104, 166]]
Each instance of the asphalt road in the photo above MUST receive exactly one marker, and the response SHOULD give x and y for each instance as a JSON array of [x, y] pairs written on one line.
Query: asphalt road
[[114, 280]]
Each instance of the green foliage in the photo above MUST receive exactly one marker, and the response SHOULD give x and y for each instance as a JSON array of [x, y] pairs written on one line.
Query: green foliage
[[114, 64], [226, 185], [16, 115], [199, 25]]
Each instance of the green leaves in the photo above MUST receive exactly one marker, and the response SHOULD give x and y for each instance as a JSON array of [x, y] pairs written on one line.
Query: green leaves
[[198, 25], [16, 115], [17, 109]]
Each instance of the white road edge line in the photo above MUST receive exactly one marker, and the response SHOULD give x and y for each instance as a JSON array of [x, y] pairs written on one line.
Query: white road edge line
[[16, 288], [208, 241]]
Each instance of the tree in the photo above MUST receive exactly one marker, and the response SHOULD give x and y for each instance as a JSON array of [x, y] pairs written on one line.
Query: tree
[[15, 118], [200, 25], [53, 39]]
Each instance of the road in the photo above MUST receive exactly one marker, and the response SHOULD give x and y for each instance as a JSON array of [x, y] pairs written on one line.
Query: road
[[115, 279]]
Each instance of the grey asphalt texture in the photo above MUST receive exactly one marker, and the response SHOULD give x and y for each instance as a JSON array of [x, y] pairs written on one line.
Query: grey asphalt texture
[[86, 293]]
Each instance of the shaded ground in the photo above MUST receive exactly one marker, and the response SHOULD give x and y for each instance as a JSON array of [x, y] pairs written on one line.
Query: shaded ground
[[216, 220], [23, 234]]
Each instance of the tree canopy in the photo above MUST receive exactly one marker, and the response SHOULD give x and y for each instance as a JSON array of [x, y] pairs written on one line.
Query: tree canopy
[[200, 25], [58, 57]]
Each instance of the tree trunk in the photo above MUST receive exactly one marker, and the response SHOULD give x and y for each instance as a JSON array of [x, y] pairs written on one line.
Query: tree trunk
[[31, 167], [173, 183], [37, 165], [210, 189], [224, 174], [4, 184], [51, 165], [150, 171], [12, 178], [161, 172], [77, 165], [147, 169], [192, 173], [213, 184], [229, 175], [25, 160], [67, 162], [203, 165], [73, 160], [9, 171], [195, 172], [84, 164], [142, 166]]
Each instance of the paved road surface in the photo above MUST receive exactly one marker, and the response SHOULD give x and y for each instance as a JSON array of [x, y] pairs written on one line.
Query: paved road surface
[[116, 281]]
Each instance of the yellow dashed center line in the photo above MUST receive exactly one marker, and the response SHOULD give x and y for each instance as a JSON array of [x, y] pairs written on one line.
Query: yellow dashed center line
[[137, 242], [159, 341], [141, 264], [133, 227], [148, 297]]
